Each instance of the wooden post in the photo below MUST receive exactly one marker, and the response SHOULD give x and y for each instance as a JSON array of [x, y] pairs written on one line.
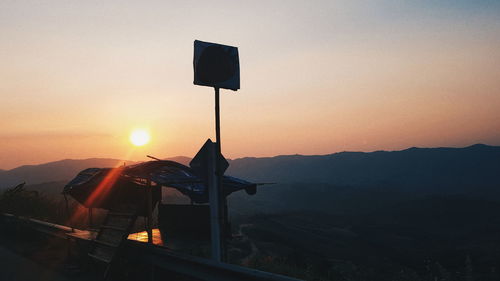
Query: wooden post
[[149, 210]]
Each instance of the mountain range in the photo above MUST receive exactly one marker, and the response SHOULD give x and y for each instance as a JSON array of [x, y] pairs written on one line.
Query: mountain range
[[409, 169], [412, 213], [413, 168]]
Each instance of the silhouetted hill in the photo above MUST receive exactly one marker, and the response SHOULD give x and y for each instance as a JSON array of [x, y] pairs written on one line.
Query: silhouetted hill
[[181, 159], [413, 168], [60, 171], [52, 171], [443, 169]]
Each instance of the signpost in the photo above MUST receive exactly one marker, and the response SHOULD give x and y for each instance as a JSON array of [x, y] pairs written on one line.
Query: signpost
[[201, 160], [204, 165], [216, 66]]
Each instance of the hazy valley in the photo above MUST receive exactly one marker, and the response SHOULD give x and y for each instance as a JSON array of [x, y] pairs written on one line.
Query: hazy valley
[[404, 215]]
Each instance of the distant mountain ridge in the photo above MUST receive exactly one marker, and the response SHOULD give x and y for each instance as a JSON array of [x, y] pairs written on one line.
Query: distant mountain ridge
[[414, 168], [62, 170], [476, 165], [53, 171]]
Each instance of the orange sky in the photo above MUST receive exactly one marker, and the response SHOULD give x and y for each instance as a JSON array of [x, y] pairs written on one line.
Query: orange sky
[[77, 77]]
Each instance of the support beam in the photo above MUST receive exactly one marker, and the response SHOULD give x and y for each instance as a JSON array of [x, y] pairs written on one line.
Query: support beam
[[149, 210], [91, 219]]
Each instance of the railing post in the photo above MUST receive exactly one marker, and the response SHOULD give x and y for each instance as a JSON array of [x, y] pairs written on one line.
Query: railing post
[[149, 210]]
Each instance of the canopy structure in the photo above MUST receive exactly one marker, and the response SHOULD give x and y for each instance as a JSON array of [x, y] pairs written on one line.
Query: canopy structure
[[107, 187]]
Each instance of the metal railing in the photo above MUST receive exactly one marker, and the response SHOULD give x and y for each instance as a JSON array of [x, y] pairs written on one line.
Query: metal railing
[[195, 268]]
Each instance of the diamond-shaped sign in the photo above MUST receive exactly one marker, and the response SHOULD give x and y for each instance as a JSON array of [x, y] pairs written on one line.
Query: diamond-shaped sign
[[200, 163]]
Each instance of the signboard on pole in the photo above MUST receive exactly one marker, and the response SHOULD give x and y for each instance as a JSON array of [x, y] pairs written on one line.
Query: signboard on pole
[[201, 161], [216, 65]]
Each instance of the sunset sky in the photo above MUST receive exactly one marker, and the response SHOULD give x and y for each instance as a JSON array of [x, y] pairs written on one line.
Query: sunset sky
[[317, 77]]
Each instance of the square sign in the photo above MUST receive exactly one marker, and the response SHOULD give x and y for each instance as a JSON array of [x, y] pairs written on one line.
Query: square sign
[[216, 65]]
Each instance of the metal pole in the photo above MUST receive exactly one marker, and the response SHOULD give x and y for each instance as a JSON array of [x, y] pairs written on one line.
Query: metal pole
[[222, 199], [213, 197], [217, 121], [68, 216]]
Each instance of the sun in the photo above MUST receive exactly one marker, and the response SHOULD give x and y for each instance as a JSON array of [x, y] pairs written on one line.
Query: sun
[[139, 137]]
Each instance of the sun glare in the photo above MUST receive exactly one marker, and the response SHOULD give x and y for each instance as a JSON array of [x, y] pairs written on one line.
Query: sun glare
[[139, 137]]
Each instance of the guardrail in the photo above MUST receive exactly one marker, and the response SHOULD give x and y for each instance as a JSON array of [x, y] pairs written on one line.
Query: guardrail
[[198, 268], [38, 225], [160, 258]]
